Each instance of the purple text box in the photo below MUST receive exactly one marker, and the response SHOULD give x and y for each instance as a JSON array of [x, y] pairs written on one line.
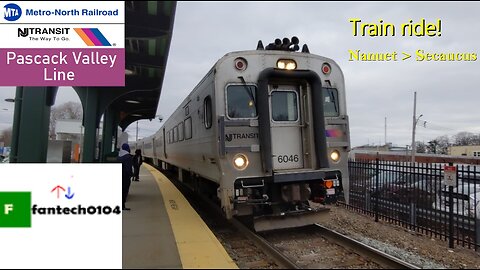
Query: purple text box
[[62, 67]]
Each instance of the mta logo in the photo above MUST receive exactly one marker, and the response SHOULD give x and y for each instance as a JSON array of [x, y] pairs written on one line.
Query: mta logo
[[12, 12]]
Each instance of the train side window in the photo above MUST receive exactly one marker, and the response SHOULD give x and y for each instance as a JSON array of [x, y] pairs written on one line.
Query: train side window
[[175, 134], [207, 113], [188, 128], [170, 136], [180, 131], [241, 101], [330, 104], [284, 106]]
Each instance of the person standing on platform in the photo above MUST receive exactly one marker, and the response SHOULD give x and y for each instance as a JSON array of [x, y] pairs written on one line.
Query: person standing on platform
[[137, 162], [127, 162]]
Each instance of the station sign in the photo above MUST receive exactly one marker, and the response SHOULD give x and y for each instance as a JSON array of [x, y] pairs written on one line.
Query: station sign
[[450, 176], [62, 43]]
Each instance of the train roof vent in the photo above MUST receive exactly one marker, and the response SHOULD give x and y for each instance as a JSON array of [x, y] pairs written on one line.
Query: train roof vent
[[283, 45]]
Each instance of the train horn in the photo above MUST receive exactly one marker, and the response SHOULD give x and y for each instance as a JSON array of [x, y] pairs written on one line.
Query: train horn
[[260, 45], [284, 44], [305, 49]]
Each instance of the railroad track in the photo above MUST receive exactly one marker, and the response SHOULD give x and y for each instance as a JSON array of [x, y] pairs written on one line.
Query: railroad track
[[360, 248], [279, 258], [371, 254], [364, 252], [213, 216]]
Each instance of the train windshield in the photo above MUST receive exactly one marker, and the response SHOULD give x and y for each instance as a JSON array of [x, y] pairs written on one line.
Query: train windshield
[[241, 101], [284, 106], [330, 103]]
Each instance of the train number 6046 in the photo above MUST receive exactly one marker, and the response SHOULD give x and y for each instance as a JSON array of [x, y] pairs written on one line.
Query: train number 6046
[[287, 158]]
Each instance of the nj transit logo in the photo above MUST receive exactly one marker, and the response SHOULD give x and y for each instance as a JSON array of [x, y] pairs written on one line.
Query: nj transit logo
[[12, 12], [92, 37]]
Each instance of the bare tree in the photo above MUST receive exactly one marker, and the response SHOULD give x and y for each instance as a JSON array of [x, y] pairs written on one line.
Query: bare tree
[[466, 138], [7, 136], [432, 146], [69, 110], [421, 147], [441, 145]]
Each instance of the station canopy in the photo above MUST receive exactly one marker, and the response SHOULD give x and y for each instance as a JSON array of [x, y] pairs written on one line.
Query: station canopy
[[148, 32]]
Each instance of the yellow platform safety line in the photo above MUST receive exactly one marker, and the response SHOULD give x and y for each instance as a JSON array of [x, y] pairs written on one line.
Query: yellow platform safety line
[[197, 245]]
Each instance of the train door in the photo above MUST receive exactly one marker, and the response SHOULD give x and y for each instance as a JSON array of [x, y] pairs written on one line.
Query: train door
[[286, 129]]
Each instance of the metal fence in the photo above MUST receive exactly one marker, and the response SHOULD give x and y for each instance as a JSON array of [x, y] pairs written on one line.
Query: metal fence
[[414, 195]]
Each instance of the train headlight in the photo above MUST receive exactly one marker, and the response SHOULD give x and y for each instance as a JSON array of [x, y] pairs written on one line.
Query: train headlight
[[326, 69], [240, 63], [287, 64], [335, 155], [240, 161]]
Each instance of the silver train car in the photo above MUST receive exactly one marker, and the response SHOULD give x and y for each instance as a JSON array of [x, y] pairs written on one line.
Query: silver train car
[[265, 133]]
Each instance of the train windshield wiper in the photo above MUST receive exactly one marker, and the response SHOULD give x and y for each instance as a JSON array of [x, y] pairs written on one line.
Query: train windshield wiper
[[249, 91], [332, 96]]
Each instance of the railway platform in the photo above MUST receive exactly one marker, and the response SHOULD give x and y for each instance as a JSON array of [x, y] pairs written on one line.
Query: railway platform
[[162, 230]]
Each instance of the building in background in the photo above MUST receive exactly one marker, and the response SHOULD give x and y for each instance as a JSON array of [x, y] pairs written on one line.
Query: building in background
[[70, 130], [464, 150]]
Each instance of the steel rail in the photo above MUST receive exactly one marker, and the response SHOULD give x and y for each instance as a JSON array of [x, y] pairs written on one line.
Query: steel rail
[[271, 251], [265, 246], [281, 260], [379, 257]]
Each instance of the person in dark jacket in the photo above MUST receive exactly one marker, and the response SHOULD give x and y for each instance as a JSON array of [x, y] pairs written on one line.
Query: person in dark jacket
[[127, 162], [137, 162]]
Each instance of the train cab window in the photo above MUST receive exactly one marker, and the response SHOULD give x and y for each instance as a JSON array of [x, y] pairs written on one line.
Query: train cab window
[[180, 131], [330, 103], [241, 101], [284, 106], [207, 113], [188, 128]]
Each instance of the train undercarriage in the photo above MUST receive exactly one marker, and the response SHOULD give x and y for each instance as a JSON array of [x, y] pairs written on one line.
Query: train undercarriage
[[285, 205], [269, 206]]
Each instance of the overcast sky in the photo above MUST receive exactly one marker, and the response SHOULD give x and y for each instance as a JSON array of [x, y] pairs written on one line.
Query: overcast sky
[[447, 92]]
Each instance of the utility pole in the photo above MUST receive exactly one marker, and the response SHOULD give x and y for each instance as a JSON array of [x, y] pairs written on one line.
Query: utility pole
[[136, 136], [415, 120], [385, 131], [414, 124]]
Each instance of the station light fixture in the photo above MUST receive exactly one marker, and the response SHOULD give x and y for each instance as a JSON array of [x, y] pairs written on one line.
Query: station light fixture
[[132, 101]]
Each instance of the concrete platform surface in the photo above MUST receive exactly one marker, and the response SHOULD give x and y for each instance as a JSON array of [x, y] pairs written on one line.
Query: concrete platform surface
[[162, 230]]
